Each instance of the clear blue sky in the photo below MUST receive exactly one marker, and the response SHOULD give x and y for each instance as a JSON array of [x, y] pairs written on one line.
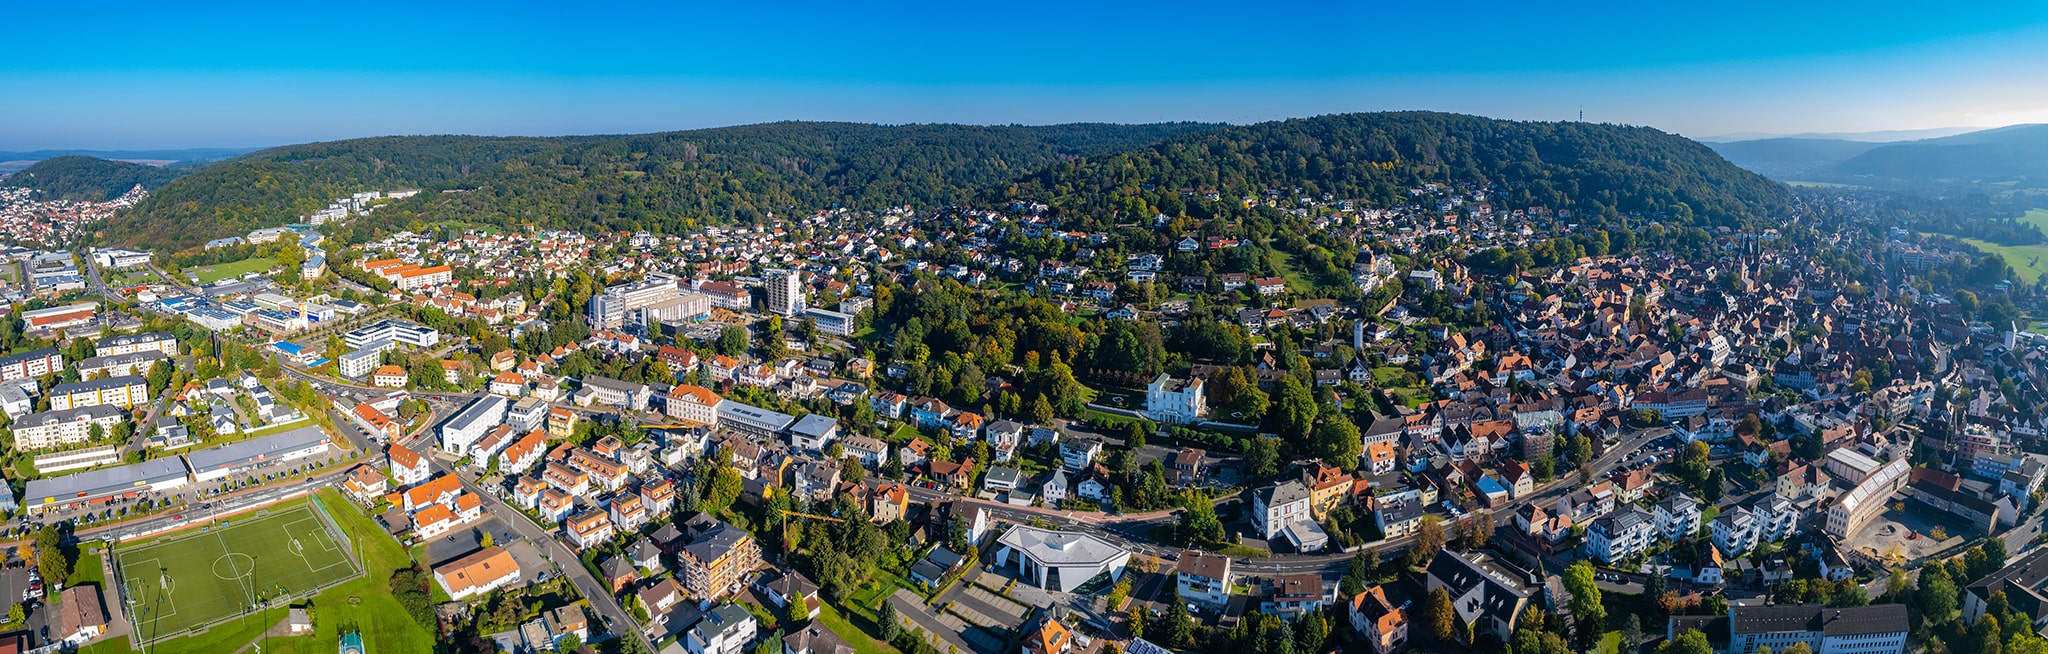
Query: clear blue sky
[[162, 74]]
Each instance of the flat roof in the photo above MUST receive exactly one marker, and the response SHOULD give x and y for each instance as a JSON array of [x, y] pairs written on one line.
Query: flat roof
[[770, 420], [235, 455], [105, 481], [1060, 548]]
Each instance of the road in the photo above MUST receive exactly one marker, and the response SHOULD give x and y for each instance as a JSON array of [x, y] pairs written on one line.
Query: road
[[565, 560], [1131, 533]]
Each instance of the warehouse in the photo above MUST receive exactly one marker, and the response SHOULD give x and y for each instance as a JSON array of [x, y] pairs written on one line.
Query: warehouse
[[212, 464], [99, 486]]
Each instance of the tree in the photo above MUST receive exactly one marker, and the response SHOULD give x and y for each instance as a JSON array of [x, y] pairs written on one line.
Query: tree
[[570, 643], [486, 540], [1310, 632], [888, 623], [1134, 621], [51, 561], [1429, 539], [1041, 411], [1585, 605], [1479, 530], [1690, 642], [1937, 594], [1297, 412], [1179, 628], [1337, 441], [732, 341], [1262, 456], [1198, 522], [1436, 616]]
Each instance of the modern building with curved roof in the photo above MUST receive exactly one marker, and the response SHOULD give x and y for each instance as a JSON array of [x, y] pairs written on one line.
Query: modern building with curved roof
[[1060, 560]]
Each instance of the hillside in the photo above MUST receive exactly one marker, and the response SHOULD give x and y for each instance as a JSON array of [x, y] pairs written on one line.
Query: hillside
[[660, 182], [77, 177], [1792, 159], [1597, 170]]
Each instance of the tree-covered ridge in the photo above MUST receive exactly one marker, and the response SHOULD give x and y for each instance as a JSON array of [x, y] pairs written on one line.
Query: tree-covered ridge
[[89, 179], [663, 182], [1592, 169]]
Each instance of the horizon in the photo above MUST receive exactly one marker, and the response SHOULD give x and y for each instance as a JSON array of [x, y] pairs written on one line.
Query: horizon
[[175, 78]]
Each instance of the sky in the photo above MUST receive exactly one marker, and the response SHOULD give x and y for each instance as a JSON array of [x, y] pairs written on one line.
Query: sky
[[146, 75]]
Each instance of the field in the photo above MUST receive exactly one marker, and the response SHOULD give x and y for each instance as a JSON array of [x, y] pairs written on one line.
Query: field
[[214, 273], [189, 581], [364, 604]]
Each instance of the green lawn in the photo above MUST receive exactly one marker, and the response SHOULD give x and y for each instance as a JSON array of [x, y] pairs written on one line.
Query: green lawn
[[860, 640], [214, 273], [86, 570], [193, 579], [2028, 261], [363, 604], [1610, 643]]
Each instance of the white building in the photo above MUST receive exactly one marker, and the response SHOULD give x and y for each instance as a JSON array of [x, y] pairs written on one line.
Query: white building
[[1620, 535], [1171, 401], [1678, 516], [469, 425], [1060, 560], [1878, 629], [785, 292]]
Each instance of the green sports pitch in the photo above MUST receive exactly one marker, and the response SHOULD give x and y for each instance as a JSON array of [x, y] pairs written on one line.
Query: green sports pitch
[[184, 583]]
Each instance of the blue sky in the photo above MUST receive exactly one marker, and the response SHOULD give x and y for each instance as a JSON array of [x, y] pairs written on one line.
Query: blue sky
[[157, 75]]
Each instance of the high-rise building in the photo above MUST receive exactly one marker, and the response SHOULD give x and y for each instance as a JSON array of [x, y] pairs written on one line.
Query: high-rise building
[[785, 292]]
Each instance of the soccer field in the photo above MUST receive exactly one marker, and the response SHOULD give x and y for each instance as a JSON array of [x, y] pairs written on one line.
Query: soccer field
[[188, 581]]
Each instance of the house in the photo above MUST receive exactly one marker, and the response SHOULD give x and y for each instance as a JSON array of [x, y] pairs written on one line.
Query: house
[[1620, 535], [589, 528], [1384, 626], [1078, 453], [478, 572], [1204, 578], [790, 590], [1677, 516], [1048, 637], [407, 467], [661, 596], [1278, 505], [1002, 479], [1187, 468], [1175, 402], [1053, 490], [1294, 595], [81, 616], [724, 630], [1488, 595], [888, 502]]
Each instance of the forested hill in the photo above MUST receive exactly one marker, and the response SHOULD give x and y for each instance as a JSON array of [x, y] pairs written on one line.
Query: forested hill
[[91, 179], [662, 182], [1594, 169]]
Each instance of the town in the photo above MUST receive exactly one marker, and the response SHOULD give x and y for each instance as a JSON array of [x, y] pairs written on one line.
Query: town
[[981, 430]]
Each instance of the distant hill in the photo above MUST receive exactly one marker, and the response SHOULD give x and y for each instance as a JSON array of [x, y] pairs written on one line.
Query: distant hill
[[1792, 158], [2003, 160], [78, 177], [1594, 169], [2013, 155], [13, 161], [664, 182]]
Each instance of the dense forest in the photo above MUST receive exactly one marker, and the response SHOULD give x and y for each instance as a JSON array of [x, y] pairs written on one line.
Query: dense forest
[[90, 179], [1593, 169], [665, 182]]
